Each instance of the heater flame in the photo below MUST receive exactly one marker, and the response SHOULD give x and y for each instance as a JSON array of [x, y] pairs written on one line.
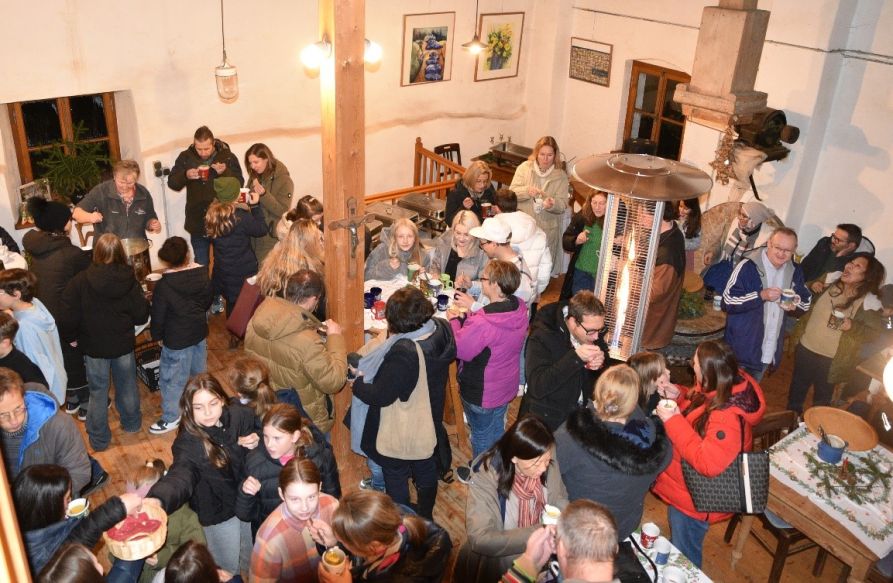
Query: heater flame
[[623, 291]]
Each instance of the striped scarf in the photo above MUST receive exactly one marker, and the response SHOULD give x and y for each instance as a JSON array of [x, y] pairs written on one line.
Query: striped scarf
[[531, 499]]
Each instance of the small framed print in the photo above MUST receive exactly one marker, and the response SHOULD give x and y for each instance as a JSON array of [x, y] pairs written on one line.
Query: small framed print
[[591, 61]]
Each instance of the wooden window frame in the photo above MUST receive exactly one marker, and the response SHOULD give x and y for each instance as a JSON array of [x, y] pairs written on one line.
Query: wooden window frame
[[20, 139], [664, 74]]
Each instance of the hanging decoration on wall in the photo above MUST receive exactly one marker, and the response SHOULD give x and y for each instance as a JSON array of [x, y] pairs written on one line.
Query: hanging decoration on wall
[[722, 163], [591, 61], [502, 34], [427, 48]]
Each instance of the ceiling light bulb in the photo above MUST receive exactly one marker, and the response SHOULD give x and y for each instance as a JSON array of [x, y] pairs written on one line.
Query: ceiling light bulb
[[474, 46], [314, 54], [372, 52]]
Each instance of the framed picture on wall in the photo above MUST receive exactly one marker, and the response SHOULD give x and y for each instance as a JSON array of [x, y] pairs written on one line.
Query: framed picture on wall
[[502, 34], [591, 61], [427, 48]]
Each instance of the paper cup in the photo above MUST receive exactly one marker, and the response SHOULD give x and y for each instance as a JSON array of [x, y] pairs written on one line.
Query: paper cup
[[78, 508], [551, 514], [334, 560], [650, 532], [668, 404], [673, 575], [662, 550]]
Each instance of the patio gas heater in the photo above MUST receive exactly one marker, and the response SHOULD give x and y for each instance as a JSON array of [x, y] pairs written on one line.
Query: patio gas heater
[[638, 186]]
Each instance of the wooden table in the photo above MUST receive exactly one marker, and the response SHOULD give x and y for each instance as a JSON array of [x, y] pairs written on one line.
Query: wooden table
[[806, 517]]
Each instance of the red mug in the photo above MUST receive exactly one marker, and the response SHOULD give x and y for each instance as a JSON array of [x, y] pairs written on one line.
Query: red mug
[[204, 172], [650, 532], [378, 310]]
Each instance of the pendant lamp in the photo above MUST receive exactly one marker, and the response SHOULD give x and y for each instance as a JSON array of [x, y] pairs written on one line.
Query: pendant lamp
[[226, 75], [475, 46]]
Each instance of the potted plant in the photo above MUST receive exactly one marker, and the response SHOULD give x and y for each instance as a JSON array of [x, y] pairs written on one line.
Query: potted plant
[[74, 166]]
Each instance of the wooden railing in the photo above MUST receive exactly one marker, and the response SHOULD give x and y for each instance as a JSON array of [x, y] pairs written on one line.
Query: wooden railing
[[432, 174]]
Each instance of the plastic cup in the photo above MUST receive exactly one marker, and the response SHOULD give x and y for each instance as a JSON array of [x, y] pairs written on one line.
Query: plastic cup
[[551, 514], [334, 560], [650, 532], [662, 549], [78, 508], [204, 172]]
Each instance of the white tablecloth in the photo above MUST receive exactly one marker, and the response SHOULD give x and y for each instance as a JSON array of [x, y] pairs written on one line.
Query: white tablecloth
[[794, 462], [677, 559]]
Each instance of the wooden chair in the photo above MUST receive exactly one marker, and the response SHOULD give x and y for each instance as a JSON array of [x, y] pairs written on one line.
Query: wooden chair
[[788, 540], [449, 151]]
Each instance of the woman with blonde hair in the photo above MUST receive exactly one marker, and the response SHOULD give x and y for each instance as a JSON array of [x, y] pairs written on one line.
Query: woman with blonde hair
[[398, 248], [302, 248], [307, 207], [610, 452], [231, 226], [471, 190], [269, 178], [457, 252], [388, 545]]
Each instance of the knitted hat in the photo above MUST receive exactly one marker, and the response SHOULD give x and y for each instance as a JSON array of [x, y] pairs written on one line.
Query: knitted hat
[[492, 230], [49, 216], [757, 212], [227, 188]]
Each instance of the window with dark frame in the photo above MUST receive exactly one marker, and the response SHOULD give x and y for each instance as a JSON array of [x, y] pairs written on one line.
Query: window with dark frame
[[651, 113], [38, 125]]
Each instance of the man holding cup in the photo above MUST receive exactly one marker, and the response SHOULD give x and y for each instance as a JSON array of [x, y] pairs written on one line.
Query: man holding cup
[[196, 168], [764, 285], [120, 206]]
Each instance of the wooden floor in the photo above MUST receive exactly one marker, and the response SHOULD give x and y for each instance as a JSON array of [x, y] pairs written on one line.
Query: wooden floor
[[129, 450]]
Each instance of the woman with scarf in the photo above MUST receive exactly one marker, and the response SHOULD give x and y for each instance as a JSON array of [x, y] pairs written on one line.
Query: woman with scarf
[[707, 429], [417, 344], [828, 337], [398, 248], [542, 189], [511, 484], [755, 224]]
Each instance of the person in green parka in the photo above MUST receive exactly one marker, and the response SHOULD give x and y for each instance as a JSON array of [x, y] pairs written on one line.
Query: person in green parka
[[269, 178]]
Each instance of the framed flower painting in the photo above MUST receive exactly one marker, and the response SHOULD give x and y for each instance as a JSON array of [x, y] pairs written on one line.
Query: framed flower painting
[[502, 34], [427, 48]]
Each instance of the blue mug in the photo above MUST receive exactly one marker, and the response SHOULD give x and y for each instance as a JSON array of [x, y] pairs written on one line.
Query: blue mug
[[831, 451], [443, 302], [368, 300], [376, 292]]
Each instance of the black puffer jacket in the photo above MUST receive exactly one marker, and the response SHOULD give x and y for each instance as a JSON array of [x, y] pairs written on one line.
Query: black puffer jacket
[[425, 563], [556, 377], [255, 509], [456, 196], [612, 464], [200, 193], [55, 261], [210, 491], [234, 258], [101, 305], [179, 305], [397, 377]]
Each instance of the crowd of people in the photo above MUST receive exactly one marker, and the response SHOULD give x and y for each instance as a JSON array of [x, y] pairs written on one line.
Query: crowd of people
[[254, 487]]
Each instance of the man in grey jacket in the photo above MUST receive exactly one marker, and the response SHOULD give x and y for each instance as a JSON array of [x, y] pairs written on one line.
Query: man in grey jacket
[[33, 430], [120, 206]]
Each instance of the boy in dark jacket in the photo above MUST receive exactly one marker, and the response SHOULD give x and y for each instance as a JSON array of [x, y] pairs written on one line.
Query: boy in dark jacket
[[179, 305]]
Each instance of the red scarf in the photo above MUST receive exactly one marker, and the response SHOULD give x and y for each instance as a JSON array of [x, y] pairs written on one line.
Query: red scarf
[[531, 499]]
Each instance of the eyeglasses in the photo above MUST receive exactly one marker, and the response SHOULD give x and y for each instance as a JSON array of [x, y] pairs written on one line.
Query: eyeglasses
[[484, 278], [14, 414], [592, 332], [835, 239]]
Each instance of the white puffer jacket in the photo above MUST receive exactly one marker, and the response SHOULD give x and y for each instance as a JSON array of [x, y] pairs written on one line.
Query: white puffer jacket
[[532, 242]]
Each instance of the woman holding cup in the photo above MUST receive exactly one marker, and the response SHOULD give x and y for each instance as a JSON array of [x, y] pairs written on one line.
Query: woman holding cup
[[281, 549], [829, 336], [471, 192], [511, 485], [456, 253], [542, 189], [707, 426], [269, 179], [386, 544], [399, 247]]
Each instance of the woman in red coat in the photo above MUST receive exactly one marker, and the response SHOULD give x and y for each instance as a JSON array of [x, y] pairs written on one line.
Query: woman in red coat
[[707, 434]]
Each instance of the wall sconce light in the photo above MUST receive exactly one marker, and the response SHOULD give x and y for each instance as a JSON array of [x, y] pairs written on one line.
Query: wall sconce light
[[314, 54], [372, 52], [226, 75], [475, 46]]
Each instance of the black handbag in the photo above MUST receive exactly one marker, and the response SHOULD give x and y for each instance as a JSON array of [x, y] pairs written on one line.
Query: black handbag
[[742, 488]]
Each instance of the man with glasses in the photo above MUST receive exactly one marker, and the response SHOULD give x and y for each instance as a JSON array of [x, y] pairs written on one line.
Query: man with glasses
[[494, 239], [566, 352], [34, 430], [830, 254], [120, 206], [755, 304]]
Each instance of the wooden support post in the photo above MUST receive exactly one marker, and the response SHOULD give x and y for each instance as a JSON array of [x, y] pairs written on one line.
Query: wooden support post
[[342, 103]]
